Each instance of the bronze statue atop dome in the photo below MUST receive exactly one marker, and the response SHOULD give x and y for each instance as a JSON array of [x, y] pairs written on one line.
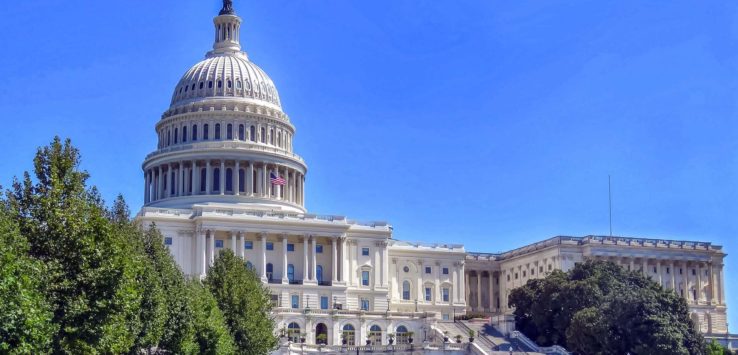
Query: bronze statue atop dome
[[227, 8]]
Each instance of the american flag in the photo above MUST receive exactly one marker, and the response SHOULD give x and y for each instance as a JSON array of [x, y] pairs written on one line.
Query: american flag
[[277, 180]]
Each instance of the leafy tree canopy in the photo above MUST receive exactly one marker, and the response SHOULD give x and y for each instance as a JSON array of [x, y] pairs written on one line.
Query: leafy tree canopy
[[600, 308], [245, 303]]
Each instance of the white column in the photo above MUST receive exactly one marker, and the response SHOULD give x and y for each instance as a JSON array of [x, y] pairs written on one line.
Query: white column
[[195, 179], [673, 276], [698, 297], [222, 177], [212, 248], [314, 269], [385, 264], [658, 270], [208, 178], [237, 179], [202, 253], [263, 256], [645, 267], [305, 261], [344, 260], [376, 280], [466, 289], [479, 290], [233, 243], [259, 185], [492, 290], [711, 281], [181, 179], [721, 284], [240, 244], [334, 256], [285, 280], [250, 179], [265, 181]]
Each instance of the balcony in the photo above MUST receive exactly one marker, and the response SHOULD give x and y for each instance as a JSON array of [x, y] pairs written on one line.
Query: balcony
[[325, 283]]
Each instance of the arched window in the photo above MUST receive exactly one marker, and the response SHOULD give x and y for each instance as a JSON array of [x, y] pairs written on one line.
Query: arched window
[[241, 180], [406, 290], [375, 335], [279, 139], [193, 86], [252, 133], [348, 336], [186, 87], [269, 271], [319, 273], [229, 179], [184, 134], [216, 179], [194, 132], [293, 332], [263, 135], [271, 136], [238, 83], [172, 185], [291, 272], [230, 84], [229, 131], [402, 335], [176, 133], [203, 179], [169, 137], [220, 84], [241, 132], [210, 84], [321, 334], [217, 131], [205, 131], [202, 84]]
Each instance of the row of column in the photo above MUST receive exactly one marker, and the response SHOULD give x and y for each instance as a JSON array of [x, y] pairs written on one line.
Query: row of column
[[205, 255], [185, 178], [479, 304], [707, 279]]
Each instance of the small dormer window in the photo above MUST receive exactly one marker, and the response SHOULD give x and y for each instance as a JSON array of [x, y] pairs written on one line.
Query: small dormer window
[[186, 88], [202, 84], [193, 86], [238, 84], [210, 84], [230, 84], [220, 84]]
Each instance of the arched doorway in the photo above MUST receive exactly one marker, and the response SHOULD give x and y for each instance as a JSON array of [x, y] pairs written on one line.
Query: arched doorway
[[349, 335], [321, 334], [375, 335], [293, 332]]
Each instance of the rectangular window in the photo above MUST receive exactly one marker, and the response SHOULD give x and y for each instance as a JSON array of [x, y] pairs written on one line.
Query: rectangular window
[[445, 271], [270, 246], [295, 301], [168, 241], [445, 316], [365, 251], [248, 244], [323, 302], [218, 243], [364, 304], [290, 247], [428, 294], [444, 292], [427, 269], [365, 278], [694, 272], [318, 249]]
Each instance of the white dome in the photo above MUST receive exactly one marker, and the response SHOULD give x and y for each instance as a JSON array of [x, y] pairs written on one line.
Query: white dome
[[226, 76]]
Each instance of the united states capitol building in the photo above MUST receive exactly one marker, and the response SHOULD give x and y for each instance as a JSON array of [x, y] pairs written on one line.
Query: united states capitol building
[[224, 176]]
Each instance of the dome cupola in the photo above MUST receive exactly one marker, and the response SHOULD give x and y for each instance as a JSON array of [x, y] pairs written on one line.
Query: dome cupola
[[224, 138]]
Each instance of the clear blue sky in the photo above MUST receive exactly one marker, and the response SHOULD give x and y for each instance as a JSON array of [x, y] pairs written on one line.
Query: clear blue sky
[[488, 123]]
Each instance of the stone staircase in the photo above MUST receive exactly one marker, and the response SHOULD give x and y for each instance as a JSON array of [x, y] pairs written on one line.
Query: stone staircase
[[488, 340]]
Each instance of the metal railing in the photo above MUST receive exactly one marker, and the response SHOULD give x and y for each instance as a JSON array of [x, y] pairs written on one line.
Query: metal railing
[[554, 350]]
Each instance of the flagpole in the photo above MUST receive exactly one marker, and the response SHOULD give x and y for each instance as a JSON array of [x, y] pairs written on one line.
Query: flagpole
[[609, 201]]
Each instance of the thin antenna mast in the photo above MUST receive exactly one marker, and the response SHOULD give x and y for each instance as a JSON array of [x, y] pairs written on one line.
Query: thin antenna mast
[[609, 201]]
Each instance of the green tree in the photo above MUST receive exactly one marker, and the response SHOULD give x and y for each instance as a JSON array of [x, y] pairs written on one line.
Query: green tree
[[25, 316], [211, 332], [245, 302], [600, 308], [715, 348], [90, 276]]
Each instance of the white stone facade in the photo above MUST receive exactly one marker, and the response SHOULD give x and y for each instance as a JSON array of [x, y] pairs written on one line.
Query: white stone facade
[[224, 176]]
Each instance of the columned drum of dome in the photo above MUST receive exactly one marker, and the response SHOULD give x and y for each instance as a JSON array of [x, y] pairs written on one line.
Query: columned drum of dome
[[225, 138]]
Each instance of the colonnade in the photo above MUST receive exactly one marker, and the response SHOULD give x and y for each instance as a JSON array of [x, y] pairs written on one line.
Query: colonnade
[[699, 282], [205, 255], [222, 177], [225, 130]]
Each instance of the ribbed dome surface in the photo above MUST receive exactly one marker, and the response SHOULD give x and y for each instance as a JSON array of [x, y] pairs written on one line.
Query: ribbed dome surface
[[225, 76]]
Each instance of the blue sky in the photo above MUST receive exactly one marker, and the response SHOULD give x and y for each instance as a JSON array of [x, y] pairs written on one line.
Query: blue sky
[[488, 123]]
